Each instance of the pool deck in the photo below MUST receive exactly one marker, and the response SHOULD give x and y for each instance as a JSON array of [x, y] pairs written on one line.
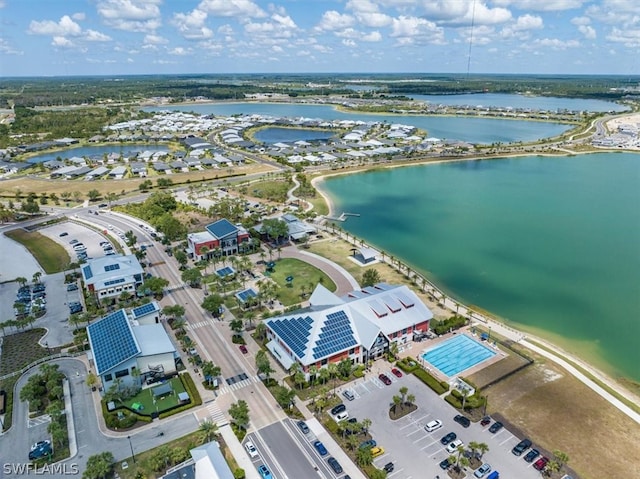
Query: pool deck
[[415, 350]]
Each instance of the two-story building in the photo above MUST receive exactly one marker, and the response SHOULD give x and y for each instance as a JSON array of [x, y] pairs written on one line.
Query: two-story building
[[359, 326], [221, 238], [110, 276]]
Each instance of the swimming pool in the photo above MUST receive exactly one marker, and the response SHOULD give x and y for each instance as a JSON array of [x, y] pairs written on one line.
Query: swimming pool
[[457, 354]]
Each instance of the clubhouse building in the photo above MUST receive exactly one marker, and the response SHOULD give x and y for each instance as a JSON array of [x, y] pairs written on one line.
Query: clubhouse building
[[221, 238], [110, 276], [359, 326]]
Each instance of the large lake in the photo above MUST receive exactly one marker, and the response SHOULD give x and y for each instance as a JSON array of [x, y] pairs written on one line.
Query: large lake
[[473, 130], [549, 243]]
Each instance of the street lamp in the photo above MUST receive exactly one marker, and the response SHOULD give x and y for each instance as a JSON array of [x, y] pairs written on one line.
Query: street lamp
[[131, 446]]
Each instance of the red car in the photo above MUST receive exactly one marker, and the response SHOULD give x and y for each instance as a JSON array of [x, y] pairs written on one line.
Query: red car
[[244, 349], [385, 379], [396, 372], [541, 463]]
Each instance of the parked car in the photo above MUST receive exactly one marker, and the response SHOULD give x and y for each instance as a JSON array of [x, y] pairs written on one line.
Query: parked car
[[462, 420], [482, 470], [433, 425], [348, 394], [44, 449], [244, 349], [320, 448], [531, 455], [453, 446], [338, 409], [388, 467], [39, 288], [74, 241], [335, 465], [541, 463], [448, 438], [303, 427], [251, 449], [495, 427], [64, 233], [40, 444], [377, 451], [444, 464], [72, 287], [264, 471], [485, 421], [385, 379], [371, 443], [522, 446], [396, 372]]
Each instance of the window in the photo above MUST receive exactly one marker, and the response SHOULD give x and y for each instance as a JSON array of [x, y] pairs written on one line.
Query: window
[[404, 331], [123, 373], [108, 377]]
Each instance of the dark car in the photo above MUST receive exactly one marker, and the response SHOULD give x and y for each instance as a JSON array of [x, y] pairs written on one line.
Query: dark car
[[320, 448], [39, 288], [371, 443], [452, 436], [41, 450], [444, 464], [495, 427], [335, 465], [338, 409], [485, 421], [303, 427], [541, 463], [462, 420], [72, 287], [64, 233], [522, 446], [531, 455], [244, 349], [385, 379], [388, 467], [396, 372]]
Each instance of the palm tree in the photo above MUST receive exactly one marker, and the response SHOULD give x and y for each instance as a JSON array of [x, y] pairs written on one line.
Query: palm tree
[[209, 428], [482, 449], [36, 277], [397, 401], [324, 375], [313, 370]]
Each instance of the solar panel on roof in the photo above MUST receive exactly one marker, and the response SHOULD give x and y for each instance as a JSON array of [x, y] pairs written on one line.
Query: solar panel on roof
[[112, 267], [112, 341], [144, 309], [221, 228], [336, 335], [114, 281], [88, 274], [294, 337]]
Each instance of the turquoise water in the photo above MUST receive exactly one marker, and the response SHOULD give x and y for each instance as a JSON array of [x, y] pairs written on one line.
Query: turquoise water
[[289, 135], [89, 151], [457, 354], [552, 243], [473, 130]]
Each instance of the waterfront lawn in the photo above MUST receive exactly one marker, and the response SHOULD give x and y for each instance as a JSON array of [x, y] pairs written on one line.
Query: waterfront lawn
[[50, 255], [271, 190], [145, 398], [305, 278]]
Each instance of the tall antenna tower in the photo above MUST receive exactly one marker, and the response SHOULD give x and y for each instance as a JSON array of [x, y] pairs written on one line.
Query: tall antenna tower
[[473, 18]]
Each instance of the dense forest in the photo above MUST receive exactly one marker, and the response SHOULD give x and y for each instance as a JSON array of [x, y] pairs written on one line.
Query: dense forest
[[64, 91]]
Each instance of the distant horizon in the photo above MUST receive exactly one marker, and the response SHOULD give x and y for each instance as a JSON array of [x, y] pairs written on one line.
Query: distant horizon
[[162, 37]]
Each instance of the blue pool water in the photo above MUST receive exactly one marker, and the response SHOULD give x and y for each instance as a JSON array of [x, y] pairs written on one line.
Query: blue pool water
[[226, 271], [246, 294], [457, 354]]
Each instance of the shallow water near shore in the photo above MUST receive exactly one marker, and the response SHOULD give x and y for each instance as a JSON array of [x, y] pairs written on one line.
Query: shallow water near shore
[[547, 243]]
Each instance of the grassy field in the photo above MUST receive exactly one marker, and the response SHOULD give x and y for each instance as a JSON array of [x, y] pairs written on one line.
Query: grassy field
[[50, 255], [303, 274], [145, 398], [549, 405]]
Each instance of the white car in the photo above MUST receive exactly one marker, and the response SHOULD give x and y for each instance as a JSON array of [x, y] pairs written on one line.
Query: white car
[[251, 449], [482, 470], [453, 446], [433, 425]]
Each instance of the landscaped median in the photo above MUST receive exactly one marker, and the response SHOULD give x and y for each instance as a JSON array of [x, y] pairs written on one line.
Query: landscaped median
[[50, 255]]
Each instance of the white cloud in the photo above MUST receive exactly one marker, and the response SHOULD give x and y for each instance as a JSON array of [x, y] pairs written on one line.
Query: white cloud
[[129, 60], [80, 16], [7, 49], [581, 21], [226, 30], [629, 38], [541, 5], [368, 14], [180, 51], [65, 27], [588, 31], [462, 12], [232, 8], [192, 25], [522, 27], [332, 21], [556, 43], [93, 36], [164, 62], [62, 42], [411, 30], [372, 37], [347, 42], [131, 15], [153, 39]]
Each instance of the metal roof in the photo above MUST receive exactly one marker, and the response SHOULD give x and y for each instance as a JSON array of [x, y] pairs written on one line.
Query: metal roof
[[222, 228], [112, 341]]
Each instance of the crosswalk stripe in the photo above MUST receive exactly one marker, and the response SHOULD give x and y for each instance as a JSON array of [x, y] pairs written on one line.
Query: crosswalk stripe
[[217, 416]]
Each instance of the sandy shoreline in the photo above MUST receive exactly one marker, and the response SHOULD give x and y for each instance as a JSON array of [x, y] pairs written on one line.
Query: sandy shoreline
[[560, 356]]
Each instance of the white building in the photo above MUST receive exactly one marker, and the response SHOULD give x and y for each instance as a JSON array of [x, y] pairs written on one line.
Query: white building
[[110, 276]]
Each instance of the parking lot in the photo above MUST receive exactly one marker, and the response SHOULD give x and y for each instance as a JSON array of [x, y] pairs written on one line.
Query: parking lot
[[415, 452]]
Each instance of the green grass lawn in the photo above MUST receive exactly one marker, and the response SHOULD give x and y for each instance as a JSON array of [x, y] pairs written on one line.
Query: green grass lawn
[[145, 397], [50, 255], [305, 277]]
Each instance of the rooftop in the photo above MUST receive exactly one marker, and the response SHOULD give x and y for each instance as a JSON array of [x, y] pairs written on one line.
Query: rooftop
[[112, 341]]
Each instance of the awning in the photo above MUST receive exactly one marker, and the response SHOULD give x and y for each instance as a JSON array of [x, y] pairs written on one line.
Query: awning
[[283, 358]]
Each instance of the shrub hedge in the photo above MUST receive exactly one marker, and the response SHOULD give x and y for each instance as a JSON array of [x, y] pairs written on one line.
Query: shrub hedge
[[439, 387]]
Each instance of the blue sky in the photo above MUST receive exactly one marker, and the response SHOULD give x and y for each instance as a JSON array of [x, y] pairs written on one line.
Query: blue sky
[[106, 37]]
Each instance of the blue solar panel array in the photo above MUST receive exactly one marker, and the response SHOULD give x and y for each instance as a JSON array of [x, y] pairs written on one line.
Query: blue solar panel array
[[144, 309], [246, 294], [294, 332], [222, 228], [112, 267], [227, 270], [88, 274], [112, 341], [336, 335], [114, 281]]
